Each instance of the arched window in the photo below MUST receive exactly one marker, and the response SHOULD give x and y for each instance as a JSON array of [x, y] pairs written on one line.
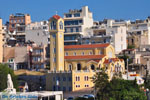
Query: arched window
[[120, 68], [92, 67], [82, 53], [53, 25], [70, 67], [66, 54], [78, 66], [74, 53], [61, 25]]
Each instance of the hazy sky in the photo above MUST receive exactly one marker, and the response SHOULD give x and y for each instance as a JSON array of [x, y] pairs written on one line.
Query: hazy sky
[[44, 9]]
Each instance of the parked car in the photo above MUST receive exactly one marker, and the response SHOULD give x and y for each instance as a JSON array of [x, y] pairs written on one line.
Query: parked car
[[88, 96], [70, 98]]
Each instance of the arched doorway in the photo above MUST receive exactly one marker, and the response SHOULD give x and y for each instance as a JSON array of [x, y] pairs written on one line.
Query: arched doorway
[[78, 66], [92, 67]]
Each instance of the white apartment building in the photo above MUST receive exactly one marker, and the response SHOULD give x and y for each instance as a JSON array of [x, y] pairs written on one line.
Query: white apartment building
[[38, 32], [118, 37], [109, 31], [77, 23]]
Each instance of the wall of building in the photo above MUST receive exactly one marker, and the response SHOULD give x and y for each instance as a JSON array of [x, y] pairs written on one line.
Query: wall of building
[[1, 42], [59, 81], [119, 40], [38, 32]]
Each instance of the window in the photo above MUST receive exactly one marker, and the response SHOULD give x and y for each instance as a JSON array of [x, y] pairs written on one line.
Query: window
[[66, 54], [53, 25], [77, 29], [70, 88], [82, 53], [54, 60], [77, 78], [69, 78], [64, 88], [44, 27], [90, 53], [92, 67], [54, 50], [86, 78], [68, 15], [86, 85], [77, 15], [61, 25], [70, 67], [58, 78], [75, 54], [78, 67], [100, 52], [13, 25], [77, 86], [54, 35], [64, 78], [71, 29]]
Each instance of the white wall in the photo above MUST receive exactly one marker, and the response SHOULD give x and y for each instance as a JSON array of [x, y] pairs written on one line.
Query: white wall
[[119, 37]]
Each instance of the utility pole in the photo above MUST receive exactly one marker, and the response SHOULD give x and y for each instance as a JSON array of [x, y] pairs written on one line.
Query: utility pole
[[127, 68]]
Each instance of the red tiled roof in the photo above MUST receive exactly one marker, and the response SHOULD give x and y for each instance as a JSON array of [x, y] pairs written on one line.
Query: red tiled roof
[[56, 17], [112, 59], [94, 60], [86, 46], [85, 57]]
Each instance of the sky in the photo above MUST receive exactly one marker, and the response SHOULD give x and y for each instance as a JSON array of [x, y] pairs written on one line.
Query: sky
[[44, 9]]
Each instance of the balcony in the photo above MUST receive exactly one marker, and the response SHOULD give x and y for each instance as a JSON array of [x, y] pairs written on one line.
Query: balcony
[[71, 40]]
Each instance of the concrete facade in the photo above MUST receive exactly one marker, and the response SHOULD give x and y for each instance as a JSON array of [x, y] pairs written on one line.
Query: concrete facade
[[77, 23], [38, 32]]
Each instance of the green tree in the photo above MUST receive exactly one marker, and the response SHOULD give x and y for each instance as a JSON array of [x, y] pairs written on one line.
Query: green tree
[[4, 71], [101, 82], [117, 88]]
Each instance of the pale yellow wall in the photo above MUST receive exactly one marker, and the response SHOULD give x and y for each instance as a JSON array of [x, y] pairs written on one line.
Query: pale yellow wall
[[111, 68], [85, 64], [79, 52], [82, 81], [95, 51], [1, 42], [58, 43], [109, 49]]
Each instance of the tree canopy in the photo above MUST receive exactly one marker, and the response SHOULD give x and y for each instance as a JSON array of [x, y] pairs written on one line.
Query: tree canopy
[[116, 89]]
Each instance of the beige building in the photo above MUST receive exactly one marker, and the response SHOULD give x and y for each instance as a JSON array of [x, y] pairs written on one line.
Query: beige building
[[73, 66], [16, 57], [1, 42]]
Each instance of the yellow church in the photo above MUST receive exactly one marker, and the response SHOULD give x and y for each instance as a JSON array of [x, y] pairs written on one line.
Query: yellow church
[[73, 66]]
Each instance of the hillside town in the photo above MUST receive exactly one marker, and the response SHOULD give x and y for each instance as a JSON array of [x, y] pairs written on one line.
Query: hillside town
[[59, 56]]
